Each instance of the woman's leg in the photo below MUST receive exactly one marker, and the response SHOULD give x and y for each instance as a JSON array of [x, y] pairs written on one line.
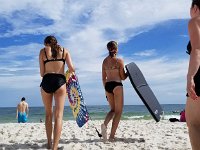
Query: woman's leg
[[109, 116], [59, 97], [193, 121], [119, 102], [47, 100]]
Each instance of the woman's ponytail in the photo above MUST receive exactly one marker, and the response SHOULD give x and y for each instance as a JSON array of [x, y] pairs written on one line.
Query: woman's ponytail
[[52, 41]]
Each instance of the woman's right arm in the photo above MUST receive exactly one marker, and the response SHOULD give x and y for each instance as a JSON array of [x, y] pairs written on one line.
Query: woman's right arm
[[69, 62], [27, 110], [41, 62]]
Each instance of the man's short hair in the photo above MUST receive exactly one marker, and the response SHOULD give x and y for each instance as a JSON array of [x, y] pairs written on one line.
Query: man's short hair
[[23, 99]]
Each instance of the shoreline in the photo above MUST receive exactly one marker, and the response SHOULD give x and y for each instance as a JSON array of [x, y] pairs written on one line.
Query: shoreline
[[131, 134], [123, 118]]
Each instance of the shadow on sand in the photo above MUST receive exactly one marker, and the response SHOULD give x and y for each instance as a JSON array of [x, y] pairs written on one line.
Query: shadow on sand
[[41, 144]]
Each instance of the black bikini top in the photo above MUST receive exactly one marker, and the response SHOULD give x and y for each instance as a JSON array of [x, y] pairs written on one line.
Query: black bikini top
[[189, 48], [49, 60]]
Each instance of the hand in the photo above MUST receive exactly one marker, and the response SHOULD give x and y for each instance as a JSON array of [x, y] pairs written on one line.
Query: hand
[[191, 89]]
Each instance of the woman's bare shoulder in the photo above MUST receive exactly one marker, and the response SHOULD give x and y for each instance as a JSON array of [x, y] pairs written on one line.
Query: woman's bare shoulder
[[105, 60], [66, 50], [194, 22], [42, 52], [120, 60]]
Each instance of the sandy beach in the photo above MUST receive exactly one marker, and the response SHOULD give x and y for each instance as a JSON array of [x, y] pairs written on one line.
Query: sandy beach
[[131, 135]]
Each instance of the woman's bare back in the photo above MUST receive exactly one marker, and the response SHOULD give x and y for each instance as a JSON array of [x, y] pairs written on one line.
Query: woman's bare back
[[112, 68], [54, 66]]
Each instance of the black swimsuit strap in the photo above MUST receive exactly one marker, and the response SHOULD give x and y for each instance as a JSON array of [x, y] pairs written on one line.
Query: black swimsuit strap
[[63, 53], [45, 54], [60, 59]]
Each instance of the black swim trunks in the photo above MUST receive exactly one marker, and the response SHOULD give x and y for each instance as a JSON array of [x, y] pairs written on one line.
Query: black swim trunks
[[51, 82], [109, 87], [197, 75]]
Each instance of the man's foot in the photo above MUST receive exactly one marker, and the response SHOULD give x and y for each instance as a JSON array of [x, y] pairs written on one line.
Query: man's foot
[[104, 132]]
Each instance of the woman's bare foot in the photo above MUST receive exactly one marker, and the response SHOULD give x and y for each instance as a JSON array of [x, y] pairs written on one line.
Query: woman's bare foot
[[104, 132], [111, 139], [49, 145]]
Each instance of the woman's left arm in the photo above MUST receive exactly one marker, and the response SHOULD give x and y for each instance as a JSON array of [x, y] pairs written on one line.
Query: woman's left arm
[[123, 75]]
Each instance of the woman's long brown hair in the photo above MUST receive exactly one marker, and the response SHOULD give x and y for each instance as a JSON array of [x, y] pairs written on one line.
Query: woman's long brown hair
[[52, 41]]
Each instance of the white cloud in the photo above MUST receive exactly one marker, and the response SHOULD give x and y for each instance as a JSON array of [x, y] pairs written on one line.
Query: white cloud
[[49, 9], [146, 53], [19, 67], [22, 82], [185, 36], [167, 78], [84, 28], [68, 17]]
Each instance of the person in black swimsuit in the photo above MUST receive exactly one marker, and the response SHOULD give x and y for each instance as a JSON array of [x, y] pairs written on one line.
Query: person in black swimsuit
[[192, 110], [51, 81], [52, 60], [112, 75], [197, 75]]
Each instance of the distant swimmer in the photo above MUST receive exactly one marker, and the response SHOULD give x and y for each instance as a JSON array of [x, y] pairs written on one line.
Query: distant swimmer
[[176, 111], [22, 111]]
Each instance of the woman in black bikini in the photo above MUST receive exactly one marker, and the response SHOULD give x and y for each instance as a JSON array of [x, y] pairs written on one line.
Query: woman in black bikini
[[52, 60], [193, 76], [112, 75]]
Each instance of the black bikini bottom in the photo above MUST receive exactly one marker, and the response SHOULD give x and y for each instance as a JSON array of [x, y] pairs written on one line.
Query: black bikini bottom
[[51, 82], [197, 83], [109, 87]]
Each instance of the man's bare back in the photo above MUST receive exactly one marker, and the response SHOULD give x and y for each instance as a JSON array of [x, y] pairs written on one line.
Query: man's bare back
[[22, 111], [22, 107]]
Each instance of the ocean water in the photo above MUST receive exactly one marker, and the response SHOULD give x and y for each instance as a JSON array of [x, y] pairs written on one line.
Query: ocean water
[[130, 112]]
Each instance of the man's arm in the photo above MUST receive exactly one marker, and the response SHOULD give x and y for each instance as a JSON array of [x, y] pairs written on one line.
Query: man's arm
[[27, 110]]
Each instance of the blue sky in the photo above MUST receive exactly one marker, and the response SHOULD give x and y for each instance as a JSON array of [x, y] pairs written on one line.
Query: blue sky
[[151, 33]]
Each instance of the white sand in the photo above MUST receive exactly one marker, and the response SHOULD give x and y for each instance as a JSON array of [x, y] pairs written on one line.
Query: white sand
[[131, 135]]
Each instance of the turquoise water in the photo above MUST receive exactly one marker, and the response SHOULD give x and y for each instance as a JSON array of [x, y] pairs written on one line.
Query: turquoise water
[[130, 112]]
